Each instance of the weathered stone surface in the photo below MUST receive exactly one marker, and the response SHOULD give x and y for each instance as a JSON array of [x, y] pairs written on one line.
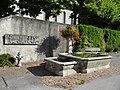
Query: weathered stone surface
[[92, 49], [91, 66], [77, 65], [2, 83], [14, 27], [15, 39], [61, 68]]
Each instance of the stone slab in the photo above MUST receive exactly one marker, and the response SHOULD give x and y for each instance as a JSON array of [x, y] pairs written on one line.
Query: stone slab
[[16, 39], [92, 49], [22, 81], [2, 84]]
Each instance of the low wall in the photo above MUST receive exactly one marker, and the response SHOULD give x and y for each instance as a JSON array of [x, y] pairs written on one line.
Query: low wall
[[34, 39]]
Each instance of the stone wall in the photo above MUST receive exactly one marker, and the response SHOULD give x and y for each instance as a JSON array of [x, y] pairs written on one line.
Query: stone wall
[[14, 28]]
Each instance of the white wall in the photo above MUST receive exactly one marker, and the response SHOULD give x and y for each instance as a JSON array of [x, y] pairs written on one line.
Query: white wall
[[50, 40]]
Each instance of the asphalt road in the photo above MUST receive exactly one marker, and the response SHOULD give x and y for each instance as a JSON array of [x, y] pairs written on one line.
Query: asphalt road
[[110, 82]]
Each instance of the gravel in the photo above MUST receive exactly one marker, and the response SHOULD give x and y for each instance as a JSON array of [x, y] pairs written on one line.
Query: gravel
[[50, 79]]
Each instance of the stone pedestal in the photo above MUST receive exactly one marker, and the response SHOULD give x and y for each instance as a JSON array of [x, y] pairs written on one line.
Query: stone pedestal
[[69, 45]]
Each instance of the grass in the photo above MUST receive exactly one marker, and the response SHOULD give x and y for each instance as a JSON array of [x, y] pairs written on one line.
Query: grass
[[84, 55], [82, 82]]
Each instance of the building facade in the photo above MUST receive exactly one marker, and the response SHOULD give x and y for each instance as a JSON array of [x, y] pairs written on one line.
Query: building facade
[[64, 17]]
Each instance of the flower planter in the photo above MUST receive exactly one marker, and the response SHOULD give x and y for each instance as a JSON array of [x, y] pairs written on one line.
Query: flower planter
[[74, 64]]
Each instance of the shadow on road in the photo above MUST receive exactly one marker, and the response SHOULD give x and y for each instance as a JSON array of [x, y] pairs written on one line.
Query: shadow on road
[[40, 70]]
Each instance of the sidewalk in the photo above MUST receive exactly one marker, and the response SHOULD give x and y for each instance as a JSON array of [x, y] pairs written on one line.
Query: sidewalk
[[26, 81], [23, 82]]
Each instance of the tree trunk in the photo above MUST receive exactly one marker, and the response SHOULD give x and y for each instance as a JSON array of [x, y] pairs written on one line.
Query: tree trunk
[[74, 17], [46, 17]]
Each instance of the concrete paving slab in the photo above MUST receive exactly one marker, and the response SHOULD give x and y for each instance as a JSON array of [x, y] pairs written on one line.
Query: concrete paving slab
[[22, 80], [2, 84], [25, 82]]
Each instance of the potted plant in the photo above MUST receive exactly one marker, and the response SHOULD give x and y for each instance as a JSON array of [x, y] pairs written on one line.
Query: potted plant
[[72, 35]]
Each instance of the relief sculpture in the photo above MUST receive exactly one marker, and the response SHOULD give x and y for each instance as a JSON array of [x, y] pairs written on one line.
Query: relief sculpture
[[10, 39]]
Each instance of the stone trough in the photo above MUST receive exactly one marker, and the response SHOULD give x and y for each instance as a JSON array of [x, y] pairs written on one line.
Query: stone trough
[[67, 64]]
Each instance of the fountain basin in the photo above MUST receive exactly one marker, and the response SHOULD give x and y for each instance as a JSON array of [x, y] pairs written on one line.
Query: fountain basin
[[72, 64], [61, 68]]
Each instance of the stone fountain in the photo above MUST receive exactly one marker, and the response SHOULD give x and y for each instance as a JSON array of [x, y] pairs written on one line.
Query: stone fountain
[[67, 64]]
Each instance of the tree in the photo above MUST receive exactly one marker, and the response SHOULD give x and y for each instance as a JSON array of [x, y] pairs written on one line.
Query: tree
[[29, 7], [100, 13], [52, 8], [34, 7], [108, 10], [73, 5], [7, 7]]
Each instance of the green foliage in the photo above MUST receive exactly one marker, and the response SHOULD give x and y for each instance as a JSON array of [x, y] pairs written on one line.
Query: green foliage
[[51, 8], [29, 7], [7, 60], [7, 7], [94, 36], [82, 82], [34, 7], [100, 13], [112, 40], [84, 55], [81, 44], [105, 9], [108, 40], [73, 5]]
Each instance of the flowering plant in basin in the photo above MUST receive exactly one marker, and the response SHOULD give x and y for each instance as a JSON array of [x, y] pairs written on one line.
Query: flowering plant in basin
[[70, 32]]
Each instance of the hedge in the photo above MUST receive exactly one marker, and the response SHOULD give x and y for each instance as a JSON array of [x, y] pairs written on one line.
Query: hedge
[[112, 40], [90, 36]]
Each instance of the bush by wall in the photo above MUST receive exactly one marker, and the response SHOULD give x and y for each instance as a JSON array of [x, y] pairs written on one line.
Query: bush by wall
[[112, 40], [108, 40], [90, 36], [7, 60]]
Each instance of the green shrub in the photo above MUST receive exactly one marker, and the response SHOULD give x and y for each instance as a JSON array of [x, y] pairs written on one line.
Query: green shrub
[[94, 36], [82, 82], [116, 49], [7, 60], [81, 44], [112, 40], [106, 39]]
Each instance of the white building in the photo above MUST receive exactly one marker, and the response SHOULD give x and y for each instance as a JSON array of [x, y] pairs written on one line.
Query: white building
[[64, 17]]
